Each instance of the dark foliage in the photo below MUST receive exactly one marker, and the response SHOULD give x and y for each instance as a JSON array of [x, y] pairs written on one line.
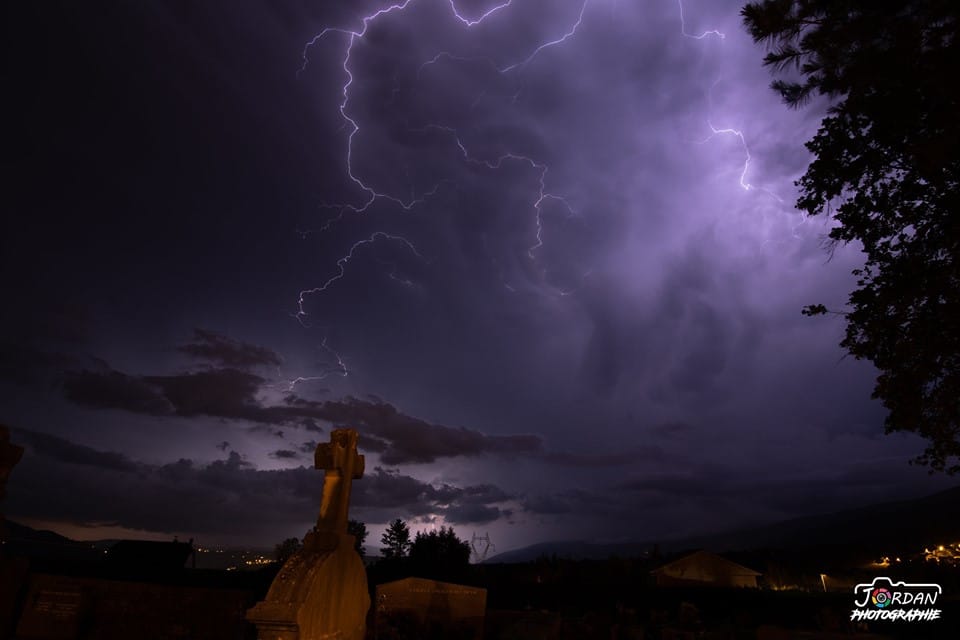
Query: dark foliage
[[359, 532], [439, 554], [286, 549], [396, 540], [886, 168]]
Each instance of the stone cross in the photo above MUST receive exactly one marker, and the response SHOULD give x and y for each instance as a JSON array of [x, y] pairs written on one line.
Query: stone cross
[[341, 464]]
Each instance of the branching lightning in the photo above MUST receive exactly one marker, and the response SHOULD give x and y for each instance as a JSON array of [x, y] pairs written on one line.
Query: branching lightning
[[683, 27], [498, 163], [730, 131], [371, 195], [342, 266], [338, 369], [483, 16], [513, 66]]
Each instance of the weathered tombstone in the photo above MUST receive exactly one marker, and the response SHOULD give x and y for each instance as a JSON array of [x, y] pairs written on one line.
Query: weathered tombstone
[[423, 609], [67, 608], [55, 609], [321, 590]]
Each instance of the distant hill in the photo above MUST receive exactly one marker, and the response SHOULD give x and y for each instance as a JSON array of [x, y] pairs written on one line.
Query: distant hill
[[17, 532], [903, 524], [48, 549]]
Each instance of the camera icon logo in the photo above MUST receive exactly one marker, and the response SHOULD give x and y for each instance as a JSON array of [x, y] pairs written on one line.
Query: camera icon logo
[[880, 598]]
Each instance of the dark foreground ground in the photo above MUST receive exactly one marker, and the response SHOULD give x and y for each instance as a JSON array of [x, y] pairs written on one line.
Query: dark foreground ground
[[614, 599]]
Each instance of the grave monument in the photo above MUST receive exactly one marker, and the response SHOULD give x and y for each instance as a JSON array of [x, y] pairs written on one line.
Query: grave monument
[[321, 592]]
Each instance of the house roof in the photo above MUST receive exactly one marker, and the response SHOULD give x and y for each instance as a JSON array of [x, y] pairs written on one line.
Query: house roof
[[707, 557]]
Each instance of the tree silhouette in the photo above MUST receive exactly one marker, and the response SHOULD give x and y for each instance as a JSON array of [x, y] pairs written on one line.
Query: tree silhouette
[[439, 553], [359, 532], [396, 540], [286, 549], [887, 168]]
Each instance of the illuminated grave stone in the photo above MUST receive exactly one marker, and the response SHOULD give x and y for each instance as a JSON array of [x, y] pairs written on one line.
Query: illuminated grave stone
[[55, 609], [321, 591]]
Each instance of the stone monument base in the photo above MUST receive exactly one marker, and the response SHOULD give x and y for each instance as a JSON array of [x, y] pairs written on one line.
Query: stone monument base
[[320, 593]]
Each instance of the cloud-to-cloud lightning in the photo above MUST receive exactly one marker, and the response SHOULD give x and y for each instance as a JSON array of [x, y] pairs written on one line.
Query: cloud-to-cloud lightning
[[701, 36], [541, 193], [497, 163], [342, 264], [373, 195]]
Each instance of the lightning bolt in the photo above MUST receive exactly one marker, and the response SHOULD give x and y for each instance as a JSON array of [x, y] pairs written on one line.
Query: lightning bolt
[[497, 163], [369, 192], [746, 186], [339, 369], [552, 43], [730, 131], [372, 195], [513, 66], [342, 268], [483, 16], [683, 28], [352, 36]]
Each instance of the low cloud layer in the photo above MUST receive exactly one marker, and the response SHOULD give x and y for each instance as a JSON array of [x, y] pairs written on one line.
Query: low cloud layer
[[61, 480], [235, 395]]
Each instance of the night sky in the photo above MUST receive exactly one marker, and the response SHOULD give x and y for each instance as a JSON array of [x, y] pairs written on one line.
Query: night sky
[[544, 258]]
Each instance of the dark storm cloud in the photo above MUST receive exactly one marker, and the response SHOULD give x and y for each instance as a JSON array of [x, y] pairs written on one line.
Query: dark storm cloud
[[227, 352], [23, 364], [413, 440], [67, 452], [233, 394], [606, 460], [34, 346], [385, 490], [645, 328], [214, 498], [309, 424], [223, 393], [115, 390], [285, 454], [673, 429], [472, 513]]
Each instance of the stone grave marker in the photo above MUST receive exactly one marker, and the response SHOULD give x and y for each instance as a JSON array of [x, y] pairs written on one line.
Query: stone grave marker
[[54, 609], [425, 609], [321, 592], [60, 608]]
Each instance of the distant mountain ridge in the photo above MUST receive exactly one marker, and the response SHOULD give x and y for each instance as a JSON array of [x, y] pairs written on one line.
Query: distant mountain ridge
[[903, 523], [17, 532]]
